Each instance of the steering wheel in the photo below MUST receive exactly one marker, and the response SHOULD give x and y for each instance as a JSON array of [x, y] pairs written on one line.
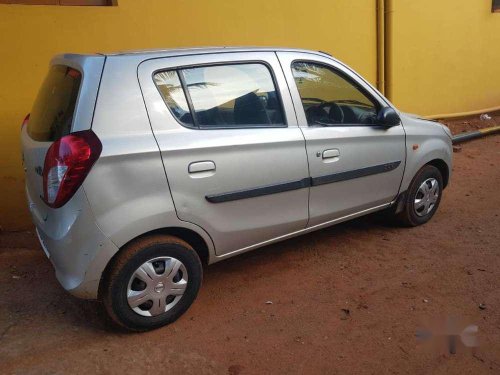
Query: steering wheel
[[336, 114]]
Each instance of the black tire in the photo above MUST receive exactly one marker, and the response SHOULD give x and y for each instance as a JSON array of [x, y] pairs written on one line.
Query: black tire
[[116, 281], [409, 217]]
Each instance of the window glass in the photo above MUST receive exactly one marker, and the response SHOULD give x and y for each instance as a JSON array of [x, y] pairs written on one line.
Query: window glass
[[237, 95], [52, 113], [171, 90], [329, 98]]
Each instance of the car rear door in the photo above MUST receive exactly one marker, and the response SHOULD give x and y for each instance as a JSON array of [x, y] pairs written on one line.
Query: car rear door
[[234, 156], [356, 165]]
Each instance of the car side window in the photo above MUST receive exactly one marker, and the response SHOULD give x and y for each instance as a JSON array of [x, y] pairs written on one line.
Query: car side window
[[222, 96], [331, 99]]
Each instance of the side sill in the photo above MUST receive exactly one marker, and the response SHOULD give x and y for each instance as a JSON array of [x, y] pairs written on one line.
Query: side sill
[[302, 231]]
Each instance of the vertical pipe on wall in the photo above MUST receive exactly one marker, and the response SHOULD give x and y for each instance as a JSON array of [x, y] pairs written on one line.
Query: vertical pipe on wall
[[388, 43], [381, 46]]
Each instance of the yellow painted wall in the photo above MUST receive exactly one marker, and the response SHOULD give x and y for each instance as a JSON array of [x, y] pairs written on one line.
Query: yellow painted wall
[[31, 35], [444, 56]]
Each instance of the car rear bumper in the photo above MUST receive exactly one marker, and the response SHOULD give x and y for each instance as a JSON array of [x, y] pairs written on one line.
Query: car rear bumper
[[75, 245]]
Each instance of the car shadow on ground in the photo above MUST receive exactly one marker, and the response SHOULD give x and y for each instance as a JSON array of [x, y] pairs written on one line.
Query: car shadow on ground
[[44, 297]]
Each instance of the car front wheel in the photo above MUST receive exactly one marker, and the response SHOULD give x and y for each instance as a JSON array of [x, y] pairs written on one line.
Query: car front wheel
[[423, 197]]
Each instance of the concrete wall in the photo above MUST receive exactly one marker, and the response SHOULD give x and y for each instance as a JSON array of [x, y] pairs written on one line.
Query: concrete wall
[[31, 35], [444, 56]]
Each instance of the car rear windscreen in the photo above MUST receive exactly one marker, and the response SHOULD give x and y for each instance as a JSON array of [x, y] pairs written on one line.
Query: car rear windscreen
[[54, 108]]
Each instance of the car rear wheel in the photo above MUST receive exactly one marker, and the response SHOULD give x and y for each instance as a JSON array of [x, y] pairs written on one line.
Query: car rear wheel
[[423, 197], [152, 282]]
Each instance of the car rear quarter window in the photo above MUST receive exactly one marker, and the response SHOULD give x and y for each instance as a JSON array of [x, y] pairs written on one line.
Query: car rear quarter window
[[52, 114], [172, 92], [222, 96]]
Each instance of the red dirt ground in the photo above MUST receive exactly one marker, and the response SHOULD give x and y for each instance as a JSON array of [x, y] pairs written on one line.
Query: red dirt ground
[[391, 280], [471, 123]]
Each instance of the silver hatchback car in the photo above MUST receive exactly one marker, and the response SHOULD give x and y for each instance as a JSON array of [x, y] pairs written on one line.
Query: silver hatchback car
[[142, 166]]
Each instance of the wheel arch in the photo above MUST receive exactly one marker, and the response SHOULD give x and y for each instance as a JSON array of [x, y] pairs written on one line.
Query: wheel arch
[[197, 242], [435, 151], [441, 165]]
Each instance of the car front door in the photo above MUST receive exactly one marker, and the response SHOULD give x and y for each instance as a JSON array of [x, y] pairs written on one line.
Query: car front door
[[356, 165], [234, 156]]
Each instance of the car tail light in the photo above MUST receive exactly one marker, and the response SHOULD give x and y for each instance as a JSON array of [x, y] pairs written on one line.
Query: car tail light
[[67, 162], [26, 120]]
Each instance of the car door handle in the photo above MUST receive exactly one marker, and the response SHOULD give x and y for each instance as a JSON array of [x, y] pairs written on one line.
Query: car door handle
[[201, 166], [332, 153]]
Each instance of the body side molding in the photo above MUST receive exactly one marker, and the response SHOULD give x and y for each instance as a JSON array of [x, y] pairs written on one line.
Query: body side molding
[[259, 191], [356, 173], [301, 184]]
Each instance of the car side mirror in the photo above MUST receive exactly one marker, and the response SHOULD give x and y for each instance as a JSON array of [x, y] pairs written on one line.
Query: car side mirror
[[388, 117]]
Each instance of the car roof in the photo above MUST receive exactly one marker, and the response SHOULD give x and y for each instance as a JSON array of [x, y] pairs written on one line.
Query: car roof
[[205, 50]]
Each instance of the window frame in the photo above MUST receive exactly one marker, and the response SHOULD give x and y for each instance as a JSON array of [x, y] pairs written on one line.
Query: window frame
[[495, 6], [378, 105], [196, 125], [103, 3]]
